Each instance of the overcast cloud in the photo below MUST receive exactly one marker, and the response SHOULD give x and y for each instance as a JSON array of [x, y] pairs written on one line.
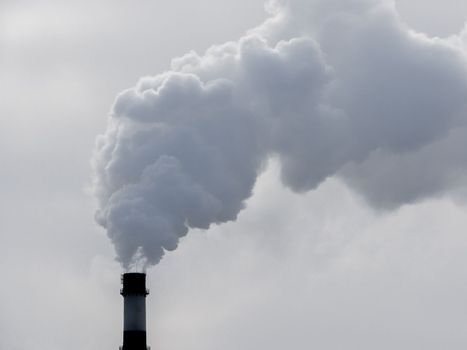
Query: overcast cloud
[[317, 270]]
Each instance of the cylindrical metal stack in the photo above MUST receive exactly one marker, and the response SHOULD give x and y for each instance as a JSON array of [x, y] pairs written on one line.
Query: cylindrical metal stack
[[134, 294]]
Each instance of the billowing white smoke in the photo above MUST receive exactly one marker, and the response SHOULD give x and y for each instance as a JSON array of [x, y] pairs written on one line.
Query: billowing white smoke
[[328, 87]]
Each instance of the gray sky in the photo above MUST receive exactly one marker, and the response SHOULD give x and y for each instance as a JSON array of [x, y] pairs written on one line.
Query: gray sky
[[320, 270]]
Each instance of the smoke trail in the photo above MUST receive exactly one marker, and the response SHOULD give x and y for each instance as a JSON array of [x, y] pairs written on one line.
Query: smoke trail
[[329, 87]]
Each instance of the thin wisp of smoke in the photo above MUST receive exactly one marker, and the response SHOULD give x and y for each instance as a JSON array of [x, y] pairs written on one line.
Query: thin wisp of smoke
[[329, 88]]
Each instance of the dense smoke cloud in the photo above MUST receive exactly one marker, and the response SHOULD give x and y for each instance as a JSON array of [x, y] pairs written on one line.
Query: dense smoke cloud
[[329, 88]]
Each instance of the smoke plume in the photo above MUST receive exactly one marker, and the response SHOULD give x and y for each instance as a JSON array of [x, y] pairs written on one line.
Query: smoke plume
[[327, 87]]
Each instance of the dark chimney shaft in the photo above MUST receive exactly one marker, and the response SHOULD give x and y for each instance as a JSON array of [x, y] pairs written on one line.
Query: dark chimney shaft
[[134, 294]]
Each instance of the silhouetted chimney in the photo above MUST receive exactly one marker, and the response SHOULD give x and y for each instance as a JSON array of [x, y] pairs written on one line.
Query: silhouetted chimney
[[134, 294]]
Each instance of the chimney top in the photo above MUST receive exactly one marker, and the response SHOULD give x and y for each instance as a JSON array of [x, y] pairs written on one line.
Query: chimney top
[[134, 283]]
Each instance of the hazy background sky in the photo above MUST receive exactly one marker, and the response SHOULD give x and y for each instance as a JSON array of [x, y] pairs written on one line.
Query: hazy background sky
[[349, 279]]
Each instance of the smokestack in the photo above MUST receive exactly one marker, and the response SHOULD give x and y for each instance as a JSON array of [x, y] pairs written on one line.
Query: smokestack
[[134, 294]]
